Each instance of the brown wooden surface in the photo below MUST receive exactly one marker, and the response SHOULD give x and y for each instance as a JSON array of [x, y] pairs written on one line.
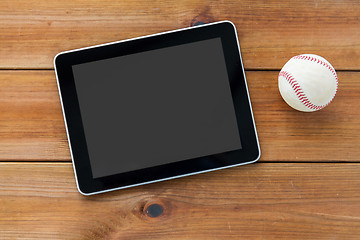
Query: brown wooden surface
[[31, 121], [33, 126], [263, 201], [270, 32], [306, 185]]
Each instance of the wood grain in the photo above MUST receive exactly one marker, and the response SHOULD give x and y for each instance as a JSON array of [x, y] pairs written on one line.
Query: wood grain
[[32, 127], [331, 134], [258, 201], [266, 200], [270, 32], [31, 123]]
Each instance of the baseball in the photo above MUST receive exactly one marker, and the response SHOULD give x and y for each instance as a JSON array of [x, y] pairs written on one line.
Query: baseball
[[308, 82]]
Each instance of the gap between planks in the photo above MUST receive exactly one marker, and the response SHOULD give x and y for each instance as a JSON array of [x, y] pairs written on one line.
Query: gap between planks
[[247, 69]]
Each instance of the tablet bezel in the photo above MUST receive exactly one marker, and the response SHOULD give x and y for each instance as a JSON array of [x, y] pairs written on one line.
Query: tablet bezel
[[250, 151]]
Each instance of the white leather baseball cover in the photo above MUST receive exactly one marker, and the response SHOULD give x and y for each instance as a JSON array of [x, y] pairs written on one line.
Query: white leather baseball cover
[[308, 82]]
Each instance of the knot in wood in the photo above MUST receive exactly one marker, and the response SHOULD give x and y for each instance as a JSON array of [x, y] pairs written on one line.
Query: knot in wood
[[154, 210]]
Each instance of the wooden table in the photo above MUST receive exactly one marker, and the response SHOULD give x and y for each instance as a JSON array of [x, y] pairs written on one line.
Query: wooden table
[[305, 186]]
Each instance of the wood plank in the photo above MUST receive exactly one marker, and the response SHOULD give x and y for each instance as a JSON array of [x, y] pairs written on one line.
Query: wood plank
[[331, 134], [31, 123], [270, 32], [258, 201], [32, 128]]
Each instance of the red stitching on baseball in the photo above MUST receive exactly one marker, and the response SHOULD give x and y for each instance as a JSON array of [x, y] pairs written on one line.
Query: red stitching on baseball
[[298, 91], [332, 70]]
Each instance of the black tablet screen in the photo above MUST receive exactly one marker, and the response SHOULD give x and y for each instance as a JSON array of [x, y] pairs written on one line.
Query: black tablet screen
[[156, 107]]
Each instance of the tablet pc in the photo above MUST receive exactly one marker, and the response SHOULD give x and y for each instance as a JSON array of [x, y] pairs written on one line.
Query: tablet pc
[[156, 107]]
